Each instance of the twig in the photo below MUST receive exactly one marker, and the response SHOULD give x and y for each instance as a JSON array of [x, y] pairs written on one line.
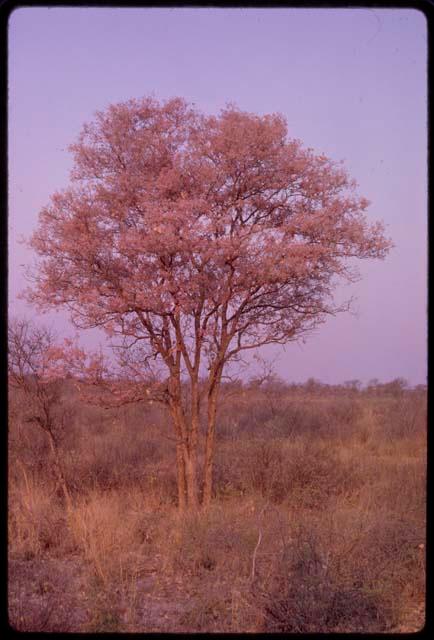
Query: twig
[[252, 576], [23, 469]]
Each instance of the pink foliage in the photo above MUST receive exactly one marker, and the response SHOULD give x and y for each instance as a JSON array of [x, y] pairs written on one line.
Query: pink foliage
[[67, 358], [189, 231]]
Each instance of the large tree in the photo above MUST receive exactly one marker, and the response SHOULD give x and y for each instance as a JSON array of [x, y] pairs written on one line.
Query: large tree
[[196, 238]]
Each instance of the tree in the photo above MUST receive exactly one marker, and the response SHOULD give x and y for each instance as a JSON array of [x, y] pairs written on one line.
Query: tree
[[353, 385], [30, 370], [396, 387], [195, 238]]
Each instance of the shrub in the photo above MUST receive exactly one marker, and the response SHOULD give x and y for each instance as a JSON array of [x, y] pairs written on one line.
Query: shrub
[[308, 597]]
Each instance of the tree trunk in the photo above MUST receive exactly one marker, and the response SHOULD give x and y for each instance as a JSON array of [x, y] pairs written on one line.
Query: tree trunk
[[186, 457], [191, 477], [191, 468], [175, 412]]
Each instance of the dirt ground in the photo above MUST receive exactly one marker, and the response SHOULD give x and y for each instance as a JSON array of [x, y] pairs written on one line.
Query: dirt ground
[[53, 594]]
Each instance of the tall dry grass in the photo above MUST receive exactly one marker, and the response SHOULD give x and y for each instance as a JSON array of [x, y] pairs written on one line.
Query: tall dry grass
[[317, 523]]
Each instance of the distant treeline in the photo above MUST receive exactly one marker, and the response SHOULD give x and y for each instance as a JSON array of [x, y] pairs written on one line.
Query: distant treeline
[[274, 384], [314, 386]]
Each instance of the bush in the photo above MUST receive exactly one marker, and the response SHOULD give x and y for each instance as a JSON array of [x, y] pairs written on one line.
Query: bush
[[308, 597], [302, 473], [402, 417]]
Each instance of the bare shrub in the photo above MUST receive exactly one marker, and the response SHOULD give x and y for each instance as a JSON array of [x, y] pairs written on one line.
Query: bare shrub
[[402, 416], [265, 467], [41, 390], [219, 545], [229, 472], [309, 596], [302, 473]]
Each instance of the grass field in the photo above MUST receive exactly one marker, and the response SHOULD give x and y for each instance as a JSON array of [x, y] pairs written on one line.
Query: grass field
[[317, 523]]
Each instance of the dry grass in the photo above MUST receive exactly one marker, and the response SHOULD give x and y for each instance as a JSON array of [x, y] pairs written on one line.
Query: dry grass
[[317, 523]]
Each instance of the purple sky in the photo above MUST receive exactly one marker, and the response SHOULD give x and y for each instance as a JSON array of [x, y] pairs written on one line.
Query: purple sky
[[351, 83]]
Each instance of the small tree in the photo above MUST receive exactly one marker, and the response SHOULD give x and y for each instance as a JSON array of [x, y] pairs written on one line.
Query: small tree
[[30, 371], [353, 385], [198, 237], [396, 387]]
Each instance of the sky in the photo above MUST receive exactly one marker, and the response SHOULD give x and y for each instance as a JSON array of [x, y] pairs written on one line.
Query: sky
[[352, 84]]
